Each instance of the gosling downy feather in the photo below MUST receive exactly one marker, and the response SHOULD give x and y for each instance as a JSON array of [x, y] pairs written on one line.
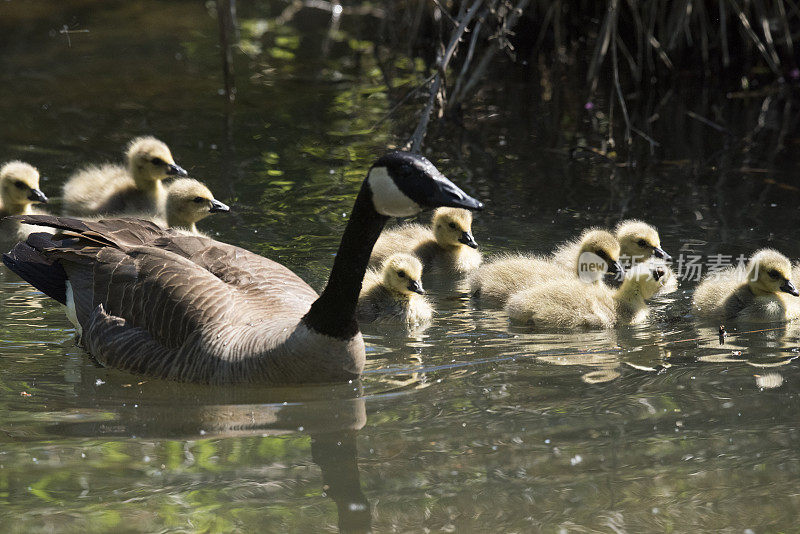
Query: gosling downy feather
[[573, 303], [395, 293], [188, 201], [762, 291], [190, 308], [111, 189], [19, 190], [447, 244], [639, 242], [497, 280]]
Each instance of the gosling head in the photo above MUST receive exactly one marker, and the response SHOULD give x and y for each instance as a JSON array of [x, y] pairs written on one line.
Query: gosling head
[[150, 160], [401, 184], [402, 273], [19, 187], [597, 245], [769, 271], [638, 241], [647, 277], [189, 201], [452, 227]]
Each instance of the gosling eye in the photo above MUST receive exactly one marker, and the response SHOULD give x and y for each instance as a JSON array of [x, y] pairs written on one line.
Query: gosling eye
[[199, 200], [401, 274], [19, 184], [642, 243], [158, 161], [774, 274], [452, 225]]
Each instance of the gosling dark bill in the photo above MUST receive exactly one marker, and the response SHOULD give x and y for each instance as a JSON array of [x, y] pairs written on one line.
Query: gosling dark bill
[[468, 239]]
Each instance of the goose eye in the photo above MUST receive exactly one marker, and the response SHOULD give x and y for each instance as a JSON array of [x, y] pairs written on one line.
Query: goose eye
[[19, 184], [401, 274], [199, 200], [158, 161], [642, 243], [452, 225], [774, 274]]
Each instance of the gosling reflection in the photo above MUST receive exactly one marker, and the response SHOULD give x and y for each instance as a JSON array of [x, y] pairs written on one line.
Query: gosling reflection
[[764, 347]]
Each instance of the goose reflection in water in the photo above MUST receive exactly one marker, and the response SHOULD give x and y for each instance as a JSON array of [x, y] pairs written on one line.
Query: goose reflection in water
[[331, 416]]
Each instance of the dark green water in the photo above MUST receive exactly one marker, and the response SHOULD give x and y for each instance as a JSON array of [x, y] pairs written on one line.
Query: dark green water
[[473, 426]]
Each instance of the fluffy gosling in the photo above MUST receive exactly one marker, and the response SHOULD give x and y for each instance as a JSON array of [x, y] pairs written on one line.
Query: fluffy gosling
[[497, 280], [189, 201], [760, 292], [395, 294], [447, 244], [639, 241], [573, 303], [19, 190], [112, 189]]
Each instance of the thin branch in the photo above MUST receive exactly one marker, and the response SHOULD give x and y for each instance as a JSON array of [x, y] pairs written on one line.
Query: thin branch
[[752, 35], [486, 59], [415, 142], [620, 96]]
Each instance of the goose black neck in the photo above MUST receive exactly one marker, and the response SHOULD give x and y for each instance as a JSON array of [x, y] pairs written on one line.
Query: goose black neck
[[334, 312]]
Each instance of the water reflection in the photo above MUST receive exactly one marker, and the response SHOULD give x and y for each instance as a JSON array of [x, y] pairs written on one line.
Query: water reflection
[[241, 414], [474, 424]]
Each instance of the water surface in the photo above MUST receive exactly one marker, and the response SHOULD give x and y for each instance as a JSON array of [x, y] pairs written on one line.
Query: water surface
[[474, 425]]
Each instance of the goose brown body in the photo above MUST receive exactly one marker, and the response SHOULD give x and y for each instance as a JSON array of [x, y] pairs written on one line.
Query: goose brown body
[[154, 302]]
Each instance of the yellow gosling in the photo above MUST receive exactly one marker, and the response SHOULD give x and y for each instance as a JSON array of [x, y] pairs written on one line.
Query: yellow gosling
[[497, 280], [112, 189], [446, 245], [395, 293], [760, 292], [19, 191], [572, 303]]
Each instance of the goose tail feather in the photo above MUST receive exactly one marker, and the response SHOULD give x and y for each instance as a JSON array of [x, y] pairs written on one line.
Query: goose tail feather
[[27, 261]]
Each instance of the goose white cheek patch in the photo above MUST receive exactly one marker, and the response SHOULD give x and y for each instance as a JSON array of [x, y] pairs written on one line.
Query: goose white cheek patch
[[387, 197]]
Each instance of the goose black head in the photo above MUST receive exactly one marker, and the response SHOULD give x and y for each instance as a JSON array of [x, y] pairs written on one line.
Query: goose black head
[[404, 184]]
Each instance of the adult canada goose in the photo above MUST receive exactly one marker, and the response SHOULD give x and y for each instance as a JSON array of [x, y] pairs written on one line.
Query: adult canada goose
[[19, 190], [447, 244], [762, 291], [394, 293], [110, 189], [496, 281], [190, 308], [573, 303]]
